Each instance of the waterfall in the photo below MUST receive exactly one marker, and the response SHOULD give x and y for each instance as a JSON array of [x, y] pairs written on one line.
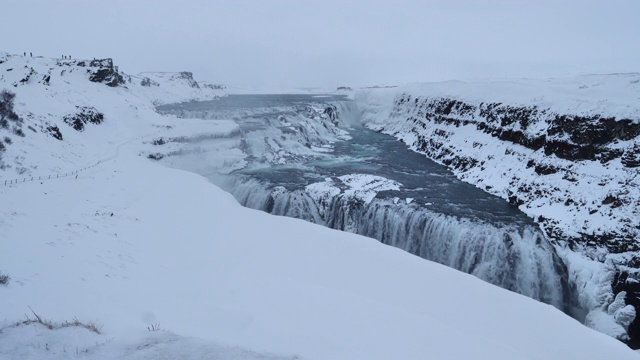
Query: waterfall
[[519, 259]]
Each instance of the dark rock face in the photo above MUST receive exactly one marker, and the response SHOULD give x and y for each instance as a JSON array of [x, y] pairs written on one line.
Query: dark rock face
[[568, 137], [156, 156], [214, 86], [585, 138], [55, 132], [26, 79], [624, 282], [103, 71], [631, 157], [148, 82], [543, 169], [107, 76], [332, 113], [83, 116], [188, 76], [593, 130]]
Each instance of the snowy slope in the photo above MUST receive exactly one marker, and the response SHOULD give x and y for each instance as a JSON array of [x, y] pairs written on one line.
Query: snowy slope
[[177, 252], [128, 112], [135, 246], [556, 148]]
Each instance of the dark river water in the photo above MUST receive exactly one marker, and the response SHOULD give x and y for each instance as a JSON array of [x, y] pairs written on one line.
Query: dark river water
[[427, 182]]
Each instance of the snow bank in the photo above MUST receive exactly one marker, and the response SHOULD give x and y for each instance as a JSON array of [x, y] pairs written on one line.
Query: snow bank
[[157, 245]]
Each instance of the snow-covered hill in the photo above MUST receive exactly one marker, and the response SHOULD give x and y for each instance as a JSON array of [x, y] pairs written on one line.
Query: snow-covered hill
[[566, 151], [165, 264], [53, 93]]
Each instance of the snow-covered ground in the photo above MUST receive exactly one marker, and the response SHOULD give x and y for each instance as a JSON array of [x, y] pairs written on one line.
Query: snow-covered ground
[[167, 265], [177, 252]]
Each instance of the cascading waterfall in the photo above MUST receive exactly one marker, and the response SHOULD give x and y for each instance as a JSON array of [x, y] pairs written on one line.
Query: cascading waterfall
[[281, 138], [278, 201], [519, 259]]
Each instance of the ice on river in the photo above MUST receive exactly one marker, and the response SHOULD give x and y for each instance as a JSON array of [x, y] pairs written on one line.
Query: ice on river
[[364, 187]]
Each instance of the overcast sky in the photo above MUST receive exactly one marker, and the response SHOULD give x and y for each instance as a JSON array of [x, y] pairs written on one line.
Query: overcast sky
[[287, 43]]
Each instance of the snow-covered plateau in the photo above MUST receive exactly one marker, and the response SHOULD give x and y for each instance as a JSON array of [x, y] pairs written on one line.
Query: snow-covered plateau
[[565, 151], [111, 255]]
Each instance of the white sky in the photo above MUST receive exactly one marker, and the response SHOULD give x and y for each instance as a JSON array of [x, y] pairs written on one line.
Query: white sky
[[287, 43]]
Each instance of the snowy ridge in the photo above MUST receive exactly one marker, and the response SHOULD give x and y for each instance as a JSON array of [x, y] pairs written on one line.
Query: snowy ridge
[[170, 87], [557, 148], [137, 246], [611, 94]]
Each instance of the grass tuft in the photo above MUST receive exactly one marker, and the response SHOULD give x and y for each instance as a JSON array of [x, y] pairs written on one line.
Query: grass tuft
[[49, 324]]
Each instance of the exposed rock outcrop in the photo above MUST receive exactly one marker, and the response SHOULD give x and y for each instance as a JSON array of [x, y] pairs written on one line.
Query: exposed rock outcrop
[[103, 71], [84, 115]]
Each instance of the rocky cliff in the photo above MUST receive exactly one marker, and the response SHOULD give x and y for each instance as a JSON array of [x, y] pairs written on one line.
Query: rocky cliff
[[565, 151]]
